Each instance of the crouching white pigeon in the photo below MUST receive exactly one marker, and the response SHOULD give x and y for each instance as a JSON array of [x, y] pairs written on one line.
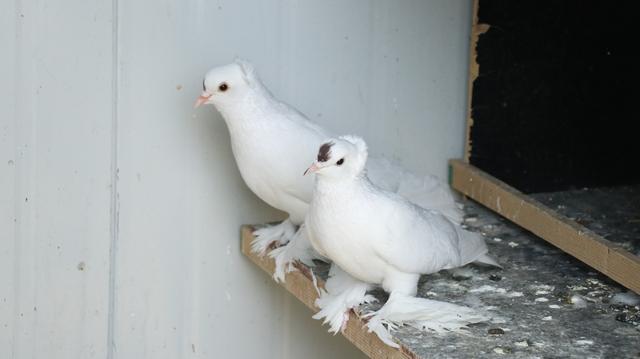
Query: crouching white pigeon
[[271, 141], [379, 238]]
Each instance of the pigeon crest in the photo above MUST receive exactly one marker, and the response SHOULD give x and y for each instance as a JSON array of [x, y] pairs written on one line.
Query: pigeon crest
[[248, 72], [361, 151]]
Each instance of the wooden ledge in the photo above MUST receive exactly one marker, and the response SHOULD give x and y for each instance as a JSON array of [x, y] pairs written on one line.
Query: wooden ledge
[[564, 233]]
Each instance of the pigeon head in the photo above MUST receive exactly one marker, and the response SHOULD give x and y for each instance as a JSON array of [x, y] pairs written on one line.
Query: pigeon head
[[341, 158], [226, 84]]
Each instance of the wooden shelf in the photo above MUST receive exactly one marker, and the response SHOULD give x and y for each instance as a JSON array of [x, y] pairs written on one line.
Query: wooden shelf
[[566, 234]]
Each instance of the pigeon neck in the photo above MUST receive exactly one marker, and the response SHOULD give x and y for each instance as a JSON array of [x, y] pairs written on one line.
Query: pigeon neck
[[247, 111]]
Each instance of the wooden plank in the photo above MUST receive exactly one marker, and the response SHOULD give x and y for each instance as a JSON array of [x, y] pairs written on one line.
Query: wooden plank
[[474, 69], [566, 234], [300, 284]]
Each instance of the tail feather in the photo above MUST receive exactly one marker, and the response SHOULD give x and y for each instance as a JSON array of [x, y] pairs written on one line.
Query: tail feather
[[431, 193], [425, 191], [422, 314], [486, 259], [473, 248]]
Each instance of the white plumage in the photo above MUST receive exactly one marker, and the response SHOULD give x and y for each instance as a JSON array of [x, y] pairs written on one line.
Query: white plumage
[[271, 142], [379, 237]]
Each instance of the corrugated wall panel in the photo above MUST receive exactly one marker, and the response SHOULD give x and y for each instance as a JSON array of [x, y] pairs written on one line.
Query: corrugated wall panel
[[57, 169], [179, 287]]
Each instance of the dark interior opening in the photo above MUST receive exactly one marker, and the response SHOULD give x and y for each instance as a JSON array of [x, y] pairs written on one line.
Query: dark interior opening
[[554, 105]]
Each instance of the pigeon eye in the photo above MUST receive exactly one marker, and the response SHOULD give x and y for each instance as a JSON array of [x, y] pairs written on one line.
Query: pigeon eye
[[223, 87], [340, 162]]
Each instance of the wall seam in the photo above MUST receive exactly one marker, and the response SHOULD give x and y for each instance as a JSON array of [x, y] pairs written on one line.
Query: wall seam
[[115, 200]]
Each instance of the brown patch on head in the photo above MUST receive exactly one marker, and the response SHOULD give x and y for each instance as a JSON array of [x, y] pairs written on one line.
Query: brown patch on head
[[325, 152]]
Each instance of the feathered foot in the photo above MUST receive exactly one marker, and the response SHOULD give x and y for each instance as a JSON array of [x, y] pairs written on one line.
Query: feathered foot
[[382, 329], [298, 249], [420, 313], [265, 237], [342, 294]]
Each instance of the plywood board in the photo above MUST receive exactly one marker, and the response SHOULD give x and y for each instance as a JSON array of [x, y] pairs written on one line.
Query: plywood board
[[566, 234]]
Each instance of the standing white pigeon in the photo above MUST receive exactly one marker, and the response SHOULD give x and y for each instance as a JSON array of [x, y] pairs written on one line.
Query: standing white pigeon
[[380, 238], [271, 141]]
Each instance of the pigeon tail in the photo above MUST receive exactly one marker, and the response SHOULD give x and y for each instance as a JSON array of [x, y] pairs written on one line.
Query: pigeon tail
[[428, 191], [431, 193], [473, 248], [486, 259], [422, 314]]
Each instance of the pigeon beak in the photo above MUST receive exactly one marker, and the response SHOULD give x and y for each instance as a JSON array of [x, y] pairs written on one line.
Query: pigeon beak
[[204, 97], [313, 168]]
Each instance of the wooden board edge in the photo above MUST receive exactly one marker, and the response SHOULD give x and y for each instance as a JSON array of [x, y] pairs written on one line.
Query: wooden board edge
[[568, 235], [474, 69], [300, 284]]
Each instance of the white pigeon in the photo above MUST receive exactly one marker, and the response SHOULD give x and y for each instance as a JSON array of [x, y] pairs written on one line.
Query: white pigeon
[[271, 141], [379, 238]]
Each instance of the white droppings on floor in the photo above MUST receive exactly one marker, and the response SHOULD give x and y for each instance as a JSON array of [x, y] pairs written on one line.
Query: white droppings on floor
[[515, 294], [578, 301], [488, 288], [465, 272], [584, 342], [577, 288], [628, 298], [545, 287], [499, 350], [499, 320]]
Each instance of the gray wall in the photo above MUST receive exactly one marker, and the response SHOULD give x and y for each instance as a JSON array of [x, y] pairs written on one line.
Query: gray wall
[[120, 204]]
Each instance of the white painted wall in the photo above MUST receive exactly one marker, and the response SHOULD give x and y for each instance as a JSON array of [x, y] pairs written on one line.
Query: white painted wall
[[120, 205]]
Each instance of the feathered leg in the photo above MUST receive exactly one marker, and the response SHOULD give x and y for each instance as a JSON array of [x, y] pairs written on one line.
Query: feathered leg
[[280, 233], [298, 249], [343, 292]]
